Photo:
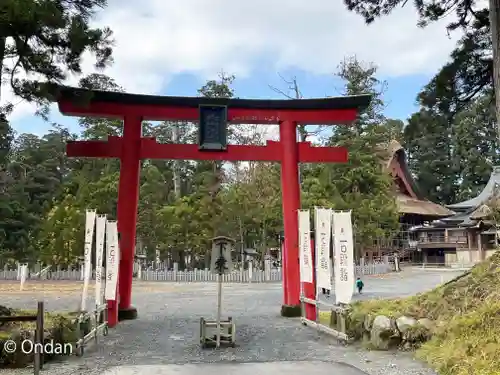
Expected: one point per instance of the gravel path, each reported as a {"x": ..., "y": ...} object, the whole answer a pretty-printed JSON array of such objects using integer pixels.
[{"x": 166, "y": 333}]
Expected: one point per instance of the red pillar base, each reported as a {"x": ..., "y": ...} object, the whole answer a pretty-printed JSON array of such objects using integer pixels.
[
  {"x": 310, "y": 288},
  {"x": 129, "y": 313},
  {"x": 112, "y": 314},
  {"x": 291, "y": 311}
]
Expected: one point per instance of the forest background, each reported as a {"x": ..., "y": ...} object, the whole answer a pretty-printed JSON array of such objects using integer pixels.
[{"x": 451, "y": 143}]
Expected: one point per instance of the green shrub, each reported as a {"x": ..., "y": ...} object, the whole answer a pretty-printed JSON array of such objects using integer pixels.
[{"x": 466, "y": 313}]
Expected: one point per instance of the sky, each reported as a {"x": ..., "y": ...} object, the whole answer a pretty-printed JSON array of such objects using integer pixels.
[{"x": 168, "y": 47}]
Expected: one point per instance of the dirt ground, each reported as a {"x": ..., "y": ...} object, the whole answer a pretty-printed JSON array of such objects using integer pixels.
[{"x": 71, "y": 287}]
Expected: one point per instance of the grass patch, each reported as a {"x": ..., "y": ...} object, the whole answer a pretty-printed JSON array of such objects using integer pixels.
[
  {"x": 59, "y": 328},
  {"x": 69, "y": 287},
  {"x": 466, "y": 312},
  {"x": 44, "y": 287}
]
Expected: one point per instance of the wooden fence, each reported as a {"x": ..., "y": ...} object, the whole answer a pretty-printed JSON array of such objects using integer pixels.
[{"x": 196, "y": 275}]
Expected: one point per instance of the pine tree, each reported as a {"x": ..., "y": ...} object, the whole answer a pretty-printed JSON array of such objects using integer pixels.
[
  {"x": 41, "y": 41},
  {"x": 361, "y": 184}
]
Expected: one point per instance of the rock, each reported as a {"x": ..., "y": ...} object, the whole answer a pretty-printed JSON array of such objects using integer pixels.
[
  {"x": 381, "y": 322},
  {"x": 407, "y": 346},
  {"x": 414, "y": 332},
  {"x": 383, "y": 334},
  {"x": 368, "y": 322},
  {"x": 405, "y": 323},
  {"x": 427, "y": 323}
]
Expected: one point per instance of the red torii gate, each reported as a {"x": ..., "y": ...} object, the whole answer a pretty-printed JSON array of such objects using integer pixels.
[{"x": 132, "y": 147}]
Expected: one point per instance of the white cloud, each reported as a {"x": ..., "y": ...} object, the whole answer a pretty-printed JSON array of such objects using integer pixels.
[{"x": 155, "y": 39}]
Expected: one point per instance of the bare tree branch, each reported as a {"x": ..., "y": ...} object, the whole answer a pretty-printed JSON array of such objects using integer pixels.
[
  {"x": 281, "y": 92},
  {"x": 293, "y": 86}
]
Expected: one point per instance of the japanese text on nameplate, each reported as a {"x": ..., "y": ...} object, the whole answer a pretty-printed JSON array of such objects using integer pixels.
[{"x": 212, "y": 129}]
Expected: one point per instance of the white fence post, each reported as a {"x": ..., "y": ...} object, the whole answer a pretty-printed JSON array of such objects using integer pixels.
[
  {"x": 251, "y": 275},
  {"x": 176, "y": 271},
  {"x": 250, "y": 271},
  {"x": 23, "y": 276},
  {"x": 267, "y": 269}
]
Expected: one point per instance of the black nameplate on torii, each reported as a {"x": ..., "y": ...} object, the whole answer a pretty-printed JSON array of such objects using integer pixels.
[{"x": 212, "y": 132}]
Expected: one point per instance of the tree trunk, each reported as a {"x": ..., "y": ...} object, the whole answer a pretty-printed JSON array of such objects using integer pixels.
[
  {"x": 495, "y": 37},
  {"x": 242, "y": 239},
  {"x": 3, "y": 41},
  {"x": 176, "y": 169},
  {"x": 263, "y": 240},
  {"x": 182, "y": 259},
  {"x": 207, "y": 258}
]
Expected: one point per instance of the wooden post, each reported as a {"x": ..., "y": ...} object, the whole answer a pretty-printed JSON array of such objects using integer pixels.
[
  {"x": 479, "y": 247},
  {"x": 38, "y": 356}
]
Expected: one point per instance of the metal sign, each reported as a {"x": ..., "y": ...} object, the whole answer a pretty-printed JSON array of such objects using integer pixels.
[{"x": 212, "y": 134}]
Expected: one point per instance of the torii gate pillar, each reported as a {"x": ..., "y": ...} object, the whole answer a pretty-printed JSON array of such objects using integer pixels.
[
  {"x": 128, "y": 200},
  {"x": 290, "y": 190}
]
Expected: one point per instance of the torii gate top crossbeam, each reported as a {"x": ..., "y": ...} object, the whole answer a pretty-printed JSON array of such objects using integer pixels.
[{"x": 80, "y": 102}]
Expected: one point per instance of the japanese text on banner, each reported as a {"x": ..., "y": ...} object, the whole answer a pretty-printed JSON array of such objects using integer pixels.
[
  {"x": 323, "y": 217},
  {"x": 344, "y": 256},
  {"x": 306, "y": 266}
]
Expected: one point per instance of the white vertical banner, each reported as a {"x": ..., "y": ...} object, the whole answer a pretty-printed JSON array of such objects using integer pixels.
[
  {"x": 344, "y": 256},
  {"x": 305, "y": 255},
  {"x": 112, "y": 261},
  {"x": 23, "y": 276},
  {"x": 87, "y": 255},
  {"x": 323, "y": 236},
  {"x": 100, "y": 233}
]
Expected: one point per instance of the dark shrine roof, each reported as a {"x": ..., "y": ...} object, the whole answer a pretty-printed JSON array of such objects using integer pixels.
[
  {"x": 408, "y": 204},
  {"x": 61, "y": 93},
  {"x": 489, "y": 192}
]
